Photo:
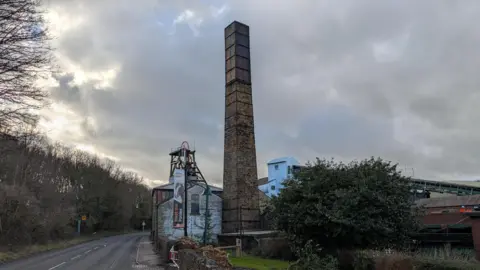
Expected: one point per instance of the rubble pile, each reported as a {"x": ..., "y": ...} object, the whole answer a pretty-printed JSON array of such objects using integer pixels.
[
  {"x": 186, "y": 243},
  {"x": 217, "y": 255},
  {"x": 213, "y": 255}
]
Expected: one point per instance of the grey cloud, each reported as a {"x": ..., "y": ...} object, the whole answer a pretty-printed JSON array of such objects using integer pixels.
[
  {"x": 170, "y": 88},
  {"x": 66, "y": 91}
]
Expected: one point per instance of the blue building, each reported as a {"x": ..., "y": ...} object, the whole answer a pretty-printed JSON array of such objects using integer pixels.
[{"x": 279, "y": 170}]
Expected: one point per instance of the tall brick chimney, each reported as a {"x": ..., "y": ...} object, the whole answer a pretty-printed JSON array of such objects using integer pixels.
[{"x": 240, "y": 189}]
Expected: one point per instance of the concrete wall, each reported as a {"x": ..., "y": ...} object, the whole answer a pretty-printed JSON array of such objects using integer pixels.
[{"x": 165, "y": 217}]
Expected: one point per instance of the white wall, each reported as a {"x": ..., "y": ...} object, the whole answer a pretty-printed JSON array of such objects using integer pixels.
[{"x": 165, "y": 217}]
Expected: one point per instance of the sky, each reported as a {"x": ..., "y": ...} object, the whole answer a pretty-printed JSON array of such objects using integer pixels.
[{"x": 339, "y": 79}]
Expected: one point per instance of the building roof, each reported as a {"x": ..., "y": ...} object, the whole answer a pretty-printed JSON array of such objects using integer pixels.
[
  {"x": 283, "y": 159},
  {"x": 453, "y": 201},
  {"x": 170, "y": 186},
  {"x": 463, "y": 183},
  {"x": 262, "y": 181},
  {"x": 164, "y": 186}
]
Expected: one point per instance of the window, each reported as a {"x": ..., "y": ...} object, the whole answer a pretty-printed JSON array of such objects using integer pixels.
[
  {"x": 272, "y": 187},
  {"x": 289, "y": 170},
  {"x": 276, "y": 167},
  {"x": 195, "y": 205}
]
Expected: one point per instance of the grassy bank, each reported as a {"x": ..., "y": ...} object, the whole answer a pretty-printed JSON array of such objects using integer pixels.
[
  {"x": 18, "y": 253},
  {"x": 258, "y": 263}
]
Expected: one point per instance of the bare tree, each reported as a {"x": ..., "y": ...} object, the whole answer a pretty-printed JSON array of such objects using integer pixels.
[
  {"x": 25, "y": 56},
  {"x": 45, "y": 188}
]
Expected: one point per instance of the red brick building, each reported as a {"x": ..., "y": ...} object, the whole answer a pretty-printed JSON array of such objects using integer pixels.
[{"x": 454, "y": 218}]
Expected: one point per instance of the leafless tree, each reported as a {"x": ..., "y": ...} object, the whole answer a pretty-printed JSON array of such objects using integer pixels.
[
  {"x": 45, "y": 187},
  {"x": 25, "y": 56}
]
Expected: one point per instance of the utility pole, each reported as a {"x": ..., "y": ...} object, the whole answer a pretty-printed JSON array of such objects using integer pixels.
[
  {"x": 207, "y": 213},
  {"x": 185, "y": 200}
]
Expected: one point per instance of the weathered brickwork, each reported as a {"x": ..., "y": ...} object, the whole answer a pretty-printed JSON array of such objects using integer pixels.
[{"x": 240, "y": 189}]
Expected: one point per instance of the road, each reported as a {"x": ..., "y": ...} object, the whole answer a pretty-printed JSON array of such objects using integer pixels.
[{"x": 116, "y": 252}]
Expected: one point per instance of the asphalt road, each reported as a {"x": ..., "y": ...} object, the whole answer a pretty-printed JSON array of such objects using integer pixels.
[{"x": 116, "y": 252}]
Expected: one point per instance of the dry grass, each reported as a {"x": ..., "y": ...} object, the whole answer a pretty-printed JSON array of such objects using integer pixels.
[
  {"x": 434, "y": 258},
  {"x": 394, "y": 262}
]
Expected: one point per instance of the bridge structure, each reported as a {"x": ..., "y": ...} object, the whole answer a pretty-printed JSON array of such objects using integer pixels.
[
  {"x": 459, "y": 189},
  {"x": 421, "y": 187}
]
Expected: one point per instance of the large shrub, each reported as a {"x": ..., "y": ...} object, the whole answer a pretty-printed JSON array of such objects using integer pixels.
[{"x": 339, "y": 206}]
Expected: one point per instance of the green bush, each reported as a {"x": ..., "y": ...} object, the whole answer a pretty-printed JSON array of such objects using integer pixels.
[
  {"x": 358, "y": 205},
  {"x": 310, "y": 259}
]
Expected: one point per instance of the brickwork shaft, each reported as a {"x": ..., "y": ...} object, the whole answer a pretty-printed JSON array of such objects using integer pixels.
[{"x": 240, "y": 189}]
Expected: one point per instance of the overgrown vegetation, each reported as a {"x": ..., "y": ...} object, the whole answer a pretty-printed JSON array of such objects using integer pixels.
[
  {"x": 354, "y": 216},
  {"x": 24, "y": 58},
  {"x": 332, "y": 206},
  {"x": 338, "y": 206},
  {"x": 45, "y": 188}
]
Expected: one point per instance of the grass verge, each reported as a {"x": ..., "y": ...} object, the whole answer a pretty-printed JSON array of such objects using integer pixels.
[
  {"x": 57, "y": 245},
  {"x": 252, "y": 262}
]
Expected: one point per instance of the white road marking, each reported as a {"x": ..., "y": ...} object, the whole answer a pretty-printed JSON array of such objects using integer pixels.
[
  {"x": 113, "y": 264},
  {"x": 76, "y": 257},
  {"x": 86, "y": 252},
  {"x": 57, "y": 265},
  {"x": 95, "y": 248},
  {"x": 136, "y": 258}
]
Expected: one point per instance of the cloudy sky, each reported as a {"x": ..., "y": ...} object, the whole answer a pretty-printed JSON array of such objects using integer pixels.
[{"x": 346, "y": 79}]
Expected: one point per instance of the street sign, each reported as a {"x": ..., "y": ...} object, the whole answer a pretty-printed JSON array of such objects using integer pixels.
[
  {"x": 84, "y": 217},
  {"x": 143, "y": 225}
]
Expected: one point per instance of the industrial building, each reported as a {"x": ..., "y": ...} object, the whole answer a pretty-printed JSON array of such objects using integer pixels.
[
  {"x": 196, "y": 209},
  {"x": 450, "y": 211},
  {"x": 454, "y": 220},
  {"x": 452, "y": 208},
  {"x": 204, "y": 202},
  {"x": 279, "y": 170}
]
